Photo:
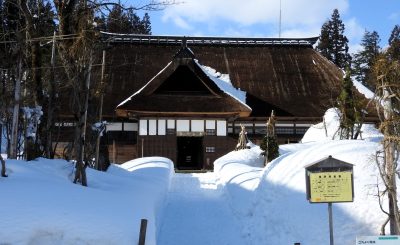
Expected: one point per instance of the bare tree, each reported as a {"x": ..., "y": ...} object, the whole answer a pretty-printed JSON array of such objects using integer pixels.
[
  {"x": 76, "y": 25},
  {"x": 387, "y": 72},
  {"x": 13, "y": 70},
  {"x": 16, "y": 107}
]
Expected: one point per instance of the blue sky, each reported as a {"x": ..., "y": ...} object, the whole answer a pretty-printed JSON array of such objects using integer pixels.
[{"x": 260, "y": 18}]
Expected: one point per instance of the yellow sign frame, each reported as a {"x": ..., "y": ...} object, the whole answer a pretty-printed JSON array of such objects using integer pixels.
[{"x": 328, "y": 187}]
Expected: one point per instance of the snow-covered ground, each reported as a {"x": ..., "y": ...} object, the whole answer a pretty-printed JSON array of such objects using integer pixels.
[
  {"x": 197, "y": 213},
  {"x": 241, "y": 202},
  {"x": 40, "y": 205}
]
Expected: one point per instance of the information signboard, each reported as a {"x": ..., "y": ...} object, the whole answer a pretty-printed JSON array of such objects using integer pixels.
[
  {"x": 331, "y": 187},
  {"x": 378, "y": 240}
]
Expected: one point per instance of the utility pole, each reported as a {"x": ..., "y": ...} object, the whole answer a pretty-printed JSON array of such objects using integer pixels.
[
  {"x": 280, "y": 18},
  {"x": 103, "y": 66},
  {"x": 50, "y": 107}
]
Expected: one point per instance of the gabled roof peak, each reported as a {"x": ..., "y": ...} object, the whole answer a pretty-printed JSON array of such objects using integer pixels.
[
  {"x": 186, "y": 87},
  {"x": 184, "y": 53}
]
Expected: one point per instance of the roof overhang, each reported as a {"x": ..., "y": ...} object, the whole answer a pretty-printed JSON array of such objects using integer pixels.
[{"x": 132, "y": 114}]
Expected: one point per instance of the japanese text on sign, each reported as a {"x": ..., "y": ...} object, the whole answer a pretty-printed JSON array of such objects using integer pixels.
[
  {"x": 331, "y": 187},
  {"x": 378, "y": 240}
]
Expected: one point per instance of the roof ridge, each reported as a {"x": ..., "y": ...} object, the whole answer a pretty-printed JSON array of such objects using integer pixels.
[{"x": 193, "y": 40}]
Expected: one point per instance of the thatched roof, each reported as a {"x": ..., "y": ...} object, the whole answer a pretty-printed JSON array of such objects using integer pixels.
[
  {"x": 183, "y": 87},
  {"x": 286, "y": 75}
]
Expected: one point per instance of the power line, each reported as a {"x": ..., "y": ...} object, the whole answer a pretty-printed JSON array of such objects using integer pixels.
[
  {"x": 48, "y": 67},
  {"x": 47, "y": 38}
]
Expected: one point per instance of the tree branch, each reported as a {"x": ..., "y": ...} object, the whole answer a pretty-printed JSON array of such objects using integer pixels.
[{"x": 152, "y": 6}]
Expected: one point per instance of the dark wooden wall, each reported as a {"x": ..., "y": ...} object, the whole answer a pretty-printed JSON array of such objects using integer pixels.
[{"x": 166, "y": 146}]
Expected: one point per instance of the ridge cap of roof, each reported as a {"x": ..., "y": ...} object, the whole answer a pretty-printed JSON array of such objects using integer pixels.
[{"x": 205, "y": 40}]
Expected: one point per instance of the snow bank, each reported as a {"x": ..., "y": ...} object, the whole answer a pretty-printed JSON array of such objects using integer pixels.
[
  {"x": 238, "y": 173},
  {"x": 283, "y": 207},
  {"x": 330, "y": 129},
  {"x": 40, "y": 204},
  {"x": 241, "y": 168},
  {"x": 271, "y": 201}
]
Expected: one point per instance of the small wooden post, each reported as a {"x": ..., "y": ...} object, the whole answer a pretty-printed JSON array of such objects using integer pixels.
[
  {"x": 114, "y": 152},
  {"x": 142, "y": 147},
  {"x": 142, "y": 233}
]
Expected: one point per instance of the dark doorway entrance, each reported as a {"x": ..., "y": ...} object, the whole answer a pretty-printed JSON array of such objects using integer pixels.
[{"x": 190, "y": 153}]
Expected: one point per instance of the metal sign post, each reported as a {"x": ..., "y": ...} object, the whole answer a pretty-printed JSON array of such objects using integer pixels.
[
  {"x": 330, "y": 223},
  {"x": 327, "y": 181}
]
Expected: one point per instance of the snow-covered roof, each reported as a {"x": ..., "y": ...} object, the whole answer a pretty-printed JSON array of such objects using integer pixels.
[
  {"x": 186, "y": 86},
  {"x": 224, "y": 83},
  {"x": 291, "y": 80},
  {"x": 362, "y": 89}
]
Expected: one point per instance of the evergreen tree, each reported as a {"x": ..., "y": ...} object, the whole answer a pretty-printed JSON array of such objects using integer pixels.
[
  {"x": 118, "y": 21},
  {"x": 146, "y": 24},
  {"x": 333, "y": 43},
  {"x": 135, "y": 23},
  {"x": 127, "y": 21},
  {"x": 324, "y": 44},
  {"x": 394, "y": 43},
  {"x": 364, "y": 59},
  {"x": 270, "y": 148},
  {"x": 349, "y": 108}
]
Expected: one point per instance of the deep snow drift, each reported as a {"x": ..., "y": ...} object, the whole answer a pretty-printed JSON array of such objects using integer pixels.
[
  {"x": 272, "y": 204},
  {"x": 273, "y": 207},
  {"x": 242, "y": 201},
  {"x": 41, "y": 206}
]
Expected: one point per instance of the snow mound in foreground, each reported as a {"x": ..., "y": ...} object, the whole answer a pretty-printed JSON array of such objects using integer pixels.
[
  {"x": 271, "y": 202},
  {"x": 41, "y": 205},
  {"x": 238, "y": 173}
]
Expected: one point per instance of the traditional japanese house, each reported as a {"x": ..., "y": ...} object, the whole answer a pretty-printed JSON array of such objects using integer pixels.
[
  {"x": 163, "y": 97},
  {"x": 183, "y": 112}
]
